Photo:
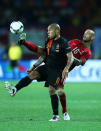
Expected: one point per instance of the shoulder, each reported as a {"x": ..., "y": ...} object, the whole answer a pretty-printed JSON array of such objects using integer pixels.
[
  {"x": 65, "y": 45},
  {"x": 63, "y": 41},
  {"x": 75, "y": 41},
  {"x": 88, "y": 51}
]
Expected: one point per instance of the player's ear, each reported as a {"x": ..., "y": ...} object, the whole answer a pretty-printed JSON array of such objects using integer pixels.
[
  {"x": 93, "y": 37},
  {"x": 57, "y": 31}
]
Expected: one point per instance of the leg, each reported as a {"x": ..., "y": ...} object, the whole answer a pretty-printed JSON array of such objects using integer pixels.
[
  {"x": 27, "y": 80},
  {"x": 54, "y": 103},
  {"x": 22, "y": 83},
  {"x": 39, "y": 73},
  {"x": 62, "y": 97}
]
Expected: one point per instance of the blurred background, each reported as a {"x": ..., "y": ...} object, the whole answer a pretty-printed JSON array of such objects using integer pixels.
[{"x": 72, "y": 16}]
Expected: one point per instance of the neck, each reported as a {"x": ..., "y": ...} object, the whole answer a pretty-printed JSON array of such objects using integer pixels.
[
  {"x": 57, "y": 37},
  {"x": 88, "y": 43}
]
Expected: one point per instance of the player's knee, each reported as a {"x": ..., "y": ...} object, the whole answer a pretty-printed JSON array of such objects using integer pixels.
[
  {"x": 34, "y": 75},
  {"x": 60, "y": 92},
  {"x": 51, "y": 90}
]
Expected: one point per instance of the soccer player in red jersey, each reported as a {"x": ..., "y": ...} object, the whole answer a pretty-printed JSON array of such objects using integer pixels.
[
  {"x": 81, "y": 52},
  {"x": 81, "y": 48}
]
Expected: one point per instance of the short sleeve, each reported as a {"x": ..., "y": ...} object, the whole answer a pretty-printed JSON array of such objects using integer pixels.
[
  {"x": 67, "y": 47},
  {"x": 45, "y": 48}
]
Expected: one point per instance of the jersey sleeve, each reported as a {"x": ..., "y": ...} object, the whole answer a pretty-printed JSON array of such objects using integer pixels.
[
  {"x": 85, "y": 57},
  {"x": 67, "y": 47},
  {"x": 31, "y": 46},
  {"x": 45, "y": 47}
]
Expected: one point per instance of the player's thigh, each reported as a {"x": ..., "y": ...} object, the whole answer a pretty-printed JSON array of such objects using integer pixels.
[
  {"x": 42, "y": 70},
  {"x": 54, "y": 78},
  {"x": 34, "y": 75}
]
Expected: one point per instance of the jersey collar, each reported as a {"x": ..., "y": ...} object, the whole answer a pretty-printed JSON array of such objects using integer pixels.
[{"x": 85, "y": 45}]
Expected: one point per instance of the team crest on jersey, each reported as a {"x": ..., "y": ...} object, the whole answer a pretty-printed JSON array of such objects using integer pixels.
[{"x": 57, "y": 48}]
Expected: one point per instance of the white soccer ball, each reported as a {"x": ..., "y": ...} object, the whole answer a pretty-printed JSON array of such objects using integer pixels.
[{"x": 16, "y": 27}]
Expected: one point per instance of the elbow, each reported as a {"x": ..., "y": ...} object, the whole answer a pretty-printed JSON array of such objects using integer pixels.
[{"x": 71, "y": 56}]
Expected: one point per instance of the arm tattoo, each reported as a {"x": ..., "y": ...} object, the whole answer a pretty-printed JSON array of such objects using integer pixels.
[
  {"x": 70, "y": 59},
  {"x": 40, "y": 60}
]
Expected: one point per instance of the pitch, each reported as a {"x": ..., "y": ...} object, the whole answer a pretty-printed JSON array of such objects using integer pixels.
[{"x": 30, "y": 108}]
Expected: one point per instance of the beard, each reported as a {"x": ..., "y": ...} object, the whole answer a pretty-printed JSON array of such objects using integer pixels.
[
  {"x": 52, "y": 37},
  {"x": 86, "y": 40}
]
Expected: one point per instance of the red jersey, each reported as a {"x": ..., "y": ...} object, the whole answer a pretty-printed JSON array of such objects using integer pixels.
[{"x": 80, "y": 50}]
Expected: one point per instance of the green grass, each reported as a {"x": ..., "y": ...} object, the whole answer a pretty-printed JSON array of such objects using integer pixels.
[{"x": 30, "y": 109}]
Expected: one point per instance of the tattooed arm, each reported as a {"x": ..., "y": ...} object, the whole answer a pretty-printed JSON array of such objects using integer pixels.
[
  {"x": 69, "y": 63},
  {"x": 39, "y": 61},
  {"x": 70, "y": 60}
]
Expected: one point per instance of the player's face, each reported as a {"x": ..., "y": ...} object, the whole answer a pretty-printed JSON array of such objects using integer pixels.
[
  {"x": 51, "y": 32},
  {"x": 87, "y": 36}
]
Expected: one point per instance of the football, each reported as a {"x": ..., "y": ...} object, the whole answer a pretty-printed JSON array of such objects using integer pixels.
[{"x": 16, "y": 27}]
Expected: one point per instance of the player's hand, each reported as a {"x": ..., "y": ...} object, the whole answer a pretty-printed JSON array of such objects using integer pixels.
[
  {"x": 30, "y": 69},
  {"x": 77, "y": 62},
  {"x": 65, "y": 72},
  {"x": 22, "y": 38}
]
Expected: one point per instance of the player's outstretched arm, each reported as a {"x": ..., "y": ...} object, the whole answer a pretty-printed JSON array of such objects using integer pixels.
[
  {"x": 39, "y": 61},
  {"x": 31, "y": 46}
]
